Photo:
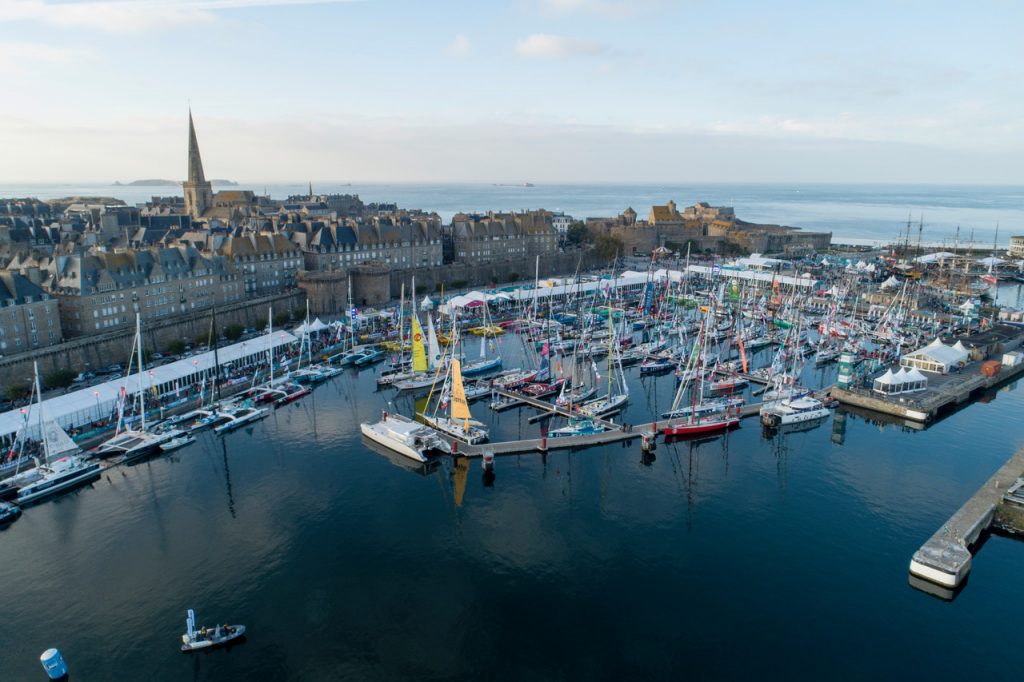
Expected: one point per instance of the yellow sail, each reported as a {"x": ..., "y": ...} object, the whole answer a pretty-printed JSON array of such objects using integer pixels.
[
  {"x": 419, "y": 354},
  {"x": 460, "y": 408}
]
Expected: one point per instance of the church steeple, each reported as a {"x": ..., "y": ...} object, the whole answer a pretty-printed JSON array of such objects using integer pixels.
[
  {"x": 195, "y": 161},
  {"x": 198, "y": 192}
]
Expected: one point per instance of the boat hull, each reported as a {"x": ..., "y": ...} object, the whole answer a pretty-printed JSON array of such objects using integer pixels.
[
  {"x": 236, "y": 632},
  {"x": 39, "y": 491},
  {"x": 391, "y": 443},
  {"x": 697, "y": 428}
]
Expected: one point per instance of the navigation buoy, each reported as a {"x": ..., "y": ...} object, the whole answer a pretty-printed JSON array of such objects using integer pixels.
[{"x": 53, "y": 664}]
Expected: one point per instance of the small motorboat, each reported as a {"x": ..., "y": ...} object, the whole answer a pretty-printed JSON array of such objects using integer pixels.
[
  {"x": 8, "y": 512},
  {"x": 177, "y": 442},
  {"x": 655, "y": 367},
  {"x": 207, "y": 638}
]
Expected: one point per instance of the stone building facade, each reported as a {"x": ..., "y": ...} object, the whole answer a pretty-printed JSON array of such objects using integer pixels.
[
  {"x": 1017, "y": 247},
  {"x": 101, "y": 291},
  {"x": 29, "y": 317},
  {"x": 479, "y": 239},
  {"x": 400, "y": 243}
]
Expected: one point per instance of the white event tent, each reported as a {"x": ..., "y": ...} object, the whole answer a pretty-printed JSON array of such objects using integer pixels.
[
  {"x": 936, "y": 357},
  {"x": 82, "y": 407}
]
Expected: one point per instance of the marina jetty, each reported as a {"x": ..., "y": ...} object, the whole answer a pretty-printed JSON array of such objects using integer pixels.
[
  {"x": 937, "y": 376},
  {"x": 945, "y": 559}
]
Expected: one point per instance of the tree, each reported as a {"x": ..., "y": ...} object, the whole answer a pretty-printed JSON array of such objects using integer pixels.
[
  {"x": 176, "y": 347},
  {"x": 233, "y": 332},
  {"x": 60, "y": 378},
  {"x": 421, "y": 288},
  {"x": 200, "y": 340},
  {"x": 280, "y": 319},
  {"x": 608, "y": 247},
  {"x": 16, "y": 392},
  {"x": 512, "y": 277},
  {"x": 577, "y": 233}
]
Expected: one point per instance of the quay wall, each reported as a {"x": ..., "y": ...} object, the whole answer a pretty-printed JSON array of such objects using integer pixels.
[
  {"x": 94, "y": 352},
  {"x": 373, "y": 284}
]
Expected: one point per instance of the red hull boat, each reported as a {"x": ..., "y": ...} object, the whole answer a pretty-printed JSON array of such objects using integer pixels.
[{"x": 699, "y": 427}]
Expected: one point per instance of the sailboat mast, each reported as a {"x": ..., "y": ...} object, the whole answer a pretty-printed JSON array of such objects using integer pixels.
[
  {"x": 351, "y": 317},
  {"x": 270, "y": 340},
  {"x": 401, "y": 319},
  {"x": 142, "y": 393},
  {"x": 216, "y": 356},
  {"x": 39, "y": 408},
  {"x": 309, "y": 339}
]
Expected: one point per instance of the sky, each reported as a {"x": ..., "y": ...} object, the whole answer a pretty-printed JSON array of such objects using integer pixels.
[{"x": 900, "y": 91}]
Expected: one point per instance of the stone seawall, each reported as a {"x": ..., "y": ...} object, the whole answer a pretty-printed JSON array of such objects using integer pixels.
[
  {"x": 101, "y": 350},
  {"x": 374, "y": 285},
  {"x": 500, "y": 273}
]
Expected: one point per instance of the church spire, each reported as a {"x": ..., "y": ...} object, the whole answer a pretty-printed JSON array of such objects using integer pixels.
[
  {"x": 195, "y": 162},
  {"x": 198, "y": 192}
]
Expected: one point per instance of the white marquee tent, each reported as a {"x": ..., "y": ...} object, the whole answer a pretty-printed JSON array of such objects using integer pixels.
[
  {"x": 936, "y": 357},
  {"x": 82, "y": 407}
]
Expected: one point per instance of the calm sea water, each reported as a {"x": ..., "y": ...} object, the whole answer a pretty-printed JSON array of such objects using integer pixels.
[
  {"x": 853, "y": 213},
  {"x": 740, "y": 556}
]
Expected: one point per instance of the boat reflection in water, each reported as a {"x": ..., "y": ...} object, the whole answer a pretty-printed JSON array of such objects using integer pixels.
[{"x": 401, "y": 461}]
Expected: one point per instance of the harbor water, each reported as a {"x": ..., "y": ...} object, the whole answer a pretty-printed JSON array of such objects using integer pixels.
[{"x": 736, "y": 556}]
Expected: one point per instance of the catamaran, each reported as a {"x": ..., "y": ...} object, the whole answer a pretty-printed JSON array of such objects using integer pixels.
[
  {"x": 239, "y": 415},
  {"x": 793, "y": 411},
  {"x": 406, "y": 437},
  {"x": 59, "y": 468},
  {"x": 138, "y": 443}
]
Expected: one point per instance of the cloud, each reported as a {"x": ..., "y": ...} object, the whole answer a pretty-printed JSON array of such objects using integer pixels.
[
  {"x": 609, "y": 8},
  {"x": 17, "y": 57},
  {"x": 131, "y": 15},
  {"x": 459, "y": 46},
  {"x": 546, "y": 46}
]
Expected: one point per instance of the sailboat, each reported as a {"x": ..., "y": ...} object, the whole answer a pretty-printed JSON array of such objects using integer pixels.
[
  {"x": 135, "y": 444},
  {"x": 700, "y": 418},
  {"x": 59, "y": 468},
  {"x": 459, "y": 423},
  {"x": 483, "y": 365},
  {"x": 618, "y": 390},
  {"x": 426, "y": 366},
  {"x": 990, "y": 277}
]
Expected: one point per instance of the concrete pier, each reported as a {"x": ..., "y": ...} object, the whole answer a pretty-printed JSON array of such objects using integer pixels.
[
  {"x": 943, "y": 390},
  {"x": 945, "y": 559}
]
